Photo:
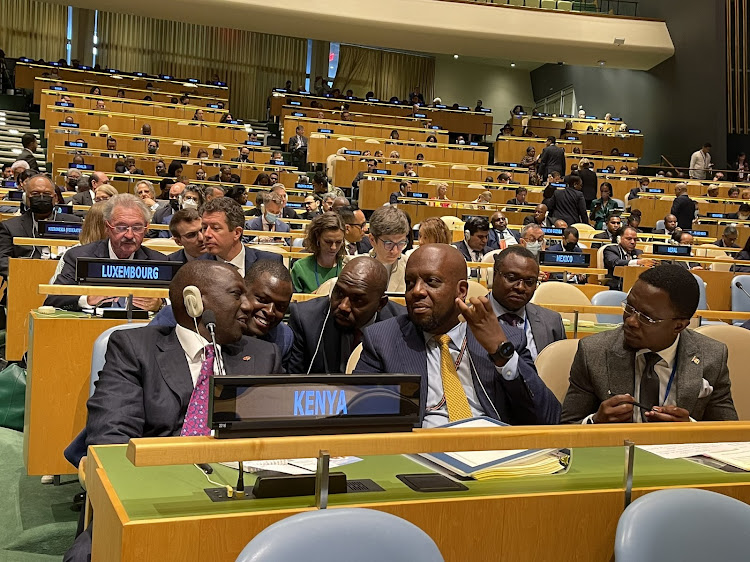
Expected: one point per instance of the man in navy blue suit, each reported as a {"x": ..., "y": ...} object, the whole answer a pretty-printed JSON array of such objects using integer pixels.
[
  {"x": 497, "y": 375},
  {"x": 223, "y": 220}
]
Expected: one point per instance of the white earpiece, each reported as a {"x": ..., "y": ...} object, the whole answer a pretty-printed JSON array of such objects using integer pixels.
[{"x": 191, "y": 295}]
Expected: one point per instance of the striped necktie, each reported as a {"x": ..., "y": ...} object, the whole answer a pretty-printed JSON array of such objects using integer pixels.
[{"x": 455, "y": 396}]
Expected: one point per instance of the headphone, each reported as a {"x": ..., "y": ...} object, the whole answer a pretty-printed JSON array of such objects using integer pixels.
[{"x": 193, "y": 299}]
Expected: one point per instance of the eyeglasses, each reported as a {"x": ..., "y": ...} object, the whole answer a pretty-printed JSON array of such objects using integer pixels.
[
  {"x": 361, "y": 226},
  {"x": 529, "y": 282},
  {"x": 122, "y": 229},
  {"x": 642, "y": 318},
  {"x": 389, "y": 245}
]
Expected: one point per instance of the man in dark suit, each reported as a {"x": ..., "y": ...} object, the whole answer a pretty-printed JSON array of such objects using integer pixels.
[
  {"x": 29, "y": 143},
  {"x": 670, "y": 224},
  {"x": 154, "y": 382},
  {"x": 520, "y": 198},
  {"x": 728, "y": 238},
  {"x": 326, "y": 330},
  {"x": 539, "y": 217},
  {"x": 269, "y": 221},
  {"x": 476, "y": 235},
  {"x": 613, "y": 226},
  {"x": 187, "y": 231},
  {"x": 356, "y": 224},
  {"x": 163, "y": 214},
  {"x": 244, "y": 155},
  {"x": 500, "y": 234},
  {"x": 225, "y": 175},
  {"x": 87, "y": 189},
  {"x": 371, "y": 165},
  {"x": 683, "y": 207},
  {"x": 493, "y": 375},
  {"x": 590, "y": 183},
  {"x": 685, "y": 239},
  {"x": 568, "y": 204},
  {"x": 127, "y": 219},
  {"x": 551, "y": 160},
  {"x": 623, "y": 254},
  {"x": 652, "y": 359},
  {"x": 223, "y": 221},
  {"x": 40, "y": 194},
  {"x": 516, "y": 272},
  {"x": 403, "y": 191},
  {"x": 297, "y": 146}
]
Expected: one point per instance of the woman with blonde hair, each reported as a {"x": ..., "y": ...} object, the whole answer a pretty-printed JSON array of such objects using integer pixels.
[
  {"x": 433, "y": 230},
  {"x": 441, "y": 199},
  {"x": 104, "y": 192},
  {"x": 325, "y": 240}
]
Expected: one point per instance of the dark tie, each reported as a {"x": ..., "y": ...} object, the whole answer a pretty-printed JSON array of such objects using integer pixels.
[
  {"x": 351, "y": 248},
  {"x": 511, "y": 319},
  {"x": 649, "y": 393}
]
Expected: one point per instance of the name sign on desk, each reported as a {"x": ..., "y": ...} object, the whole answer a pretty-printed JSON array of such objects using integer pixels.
[
  {"x": 298, "y": 114},
  {"x": 380, "y": 171},
  {"x": 564, "y": 258},
  {"x": 488, "y": 110},
  {"x": 353, "y": 152},
  {"x": 213, "y": 106},
  {"x": 15, "y": 195},
  {"x": 435, "y": 127},
  {"x": 634, "y": 131},
  {"x": 571, "y": 138},
  {"x": 552, "y": 231},
  {"x": 626, "y": 154},
  {"x": 422, "y": 115},
  {"x": 440, "y": 106},
  {"x": 716, "y": 215},
  {"x": 325, "y": 130},
  {"x": 253, "y": 143},
  {"x": 292, "y": 102},
  {"x": 277, "y": 162},
  {"x": 463, "y": 107},
  {"x": 64, "y": 104},
  {"x": 59, "y": 229},
  {"x": 254, "y": 406},
  {"x": 80, "y": 166},
  {"x": 305, "y": 186},
  {"x": 140, "y": 273},
  {"x": 419, "y": 195},
  {"x": 59, "y": 88},
  {"x": 697, "y": 232},
  {"x": 68, "y": 125},
  {"x": 654, "y": 190},
  {"x": 615, "y": 118},
  {"x": 77, "y": 144},
  {"x": 671, "y": 250}
]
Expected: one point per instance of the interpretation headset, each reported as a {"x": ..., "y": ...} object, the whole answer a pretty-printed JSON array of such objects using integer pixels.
[{"x": 193, "y": 299}]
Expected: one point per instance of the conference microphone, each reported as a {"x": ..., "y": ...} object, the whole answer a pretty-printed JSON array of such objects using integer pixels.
[
  {"x": 209, "y": 320},
  {"x": 741, "y": 288}
]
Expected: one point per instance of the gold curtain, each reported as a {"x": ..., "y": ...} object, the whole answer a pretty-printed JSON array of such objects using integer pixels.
[
  {"x": 384, "y": 72},
  {"x": 250, "y": 63},
  {"x": 33, "y": 29}
]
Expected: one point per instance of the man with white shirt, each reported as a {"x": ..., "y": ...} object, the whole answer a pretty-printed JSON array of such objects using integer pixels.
[
  {"x": 155, "y": 379},
  {"x": 700, "y": 162},
  {"x": 87, "y": 189},
  {"x": 474, "y": 368},
  {"x": 500, "y": 236},
  {"x": 653, "y": 368},
  {"x": 127, "y": 219},
  {"x": 223, "y": 220}
]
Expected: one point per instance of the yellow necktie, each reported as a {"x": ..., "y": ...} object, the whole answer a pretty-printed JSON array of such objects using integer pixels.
[{"x": 455, "y": 397}]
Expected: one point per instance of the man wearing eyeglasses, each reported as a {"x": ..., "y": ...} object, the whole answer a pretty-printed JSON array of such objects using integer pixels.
[
  {"x": 356, "y": 223},
  {"x": 389, "y": 236},
  {"x": 516, "y": 274},
  {"x": 127, "y": 218},
  {"x": 652, "y": 368}
]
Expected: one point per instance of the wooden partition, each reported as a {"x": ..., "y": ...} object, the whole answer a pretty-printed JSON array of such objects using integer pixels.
[
  {"x": 359, "y": 117},
  {"x": 354, "y": 128},
  {"x": 513, "y": 149}
]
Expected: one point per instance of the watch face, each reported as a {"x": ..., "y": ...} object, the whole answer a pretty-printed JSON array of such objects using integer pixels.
[{"x": 507, "y": 349}]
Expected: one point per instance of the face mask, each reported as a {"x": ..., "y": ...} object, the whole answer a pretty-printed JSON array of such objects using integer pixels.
[
  {"x": 152, "y": 150},
  {"x": 534, "y": 247},
  {"x": 271, "y": 218},
  {"x": 175, "y": 204},
  {"x": 189, "y": 204},
  {"x": 568, "y": 247},
  {"x": 72, "y": 182},
  {"x": 462, "y": 142},
  {"x": 41, "y": 204}
]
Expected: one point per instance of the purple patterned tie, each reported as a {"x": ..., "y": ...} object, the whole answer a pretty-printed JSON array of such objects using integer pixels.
[
  {"x": 196, "y": 417},
  {"x": 512, "y": 319}
]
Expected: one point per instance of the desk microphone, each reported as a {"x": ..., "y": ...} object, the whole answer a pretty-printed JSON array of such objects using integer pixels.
[
  {"x": 209, "y": 320},
  {"x": 741, "y": 288}
]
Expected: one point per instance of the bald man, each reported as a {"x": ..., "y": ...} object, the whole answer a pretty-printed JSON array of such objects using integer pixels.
[
  {"x": 539, "y": 217},
  {"x": 496, "y": 372},
  {"x": 357, "y": 300}
]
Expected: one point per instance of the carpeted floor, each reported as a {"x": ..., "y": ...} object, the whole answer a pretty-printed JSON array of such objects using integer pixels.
[{"x": 37, "y": 522}]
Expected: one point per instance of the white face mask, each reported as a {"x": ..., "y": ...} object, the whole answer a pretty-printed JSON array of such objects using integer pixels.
[
  {"x": 534, "y": 247},
  {"x": 189, "y": 204},
  {"x": 461, "y": 141}
]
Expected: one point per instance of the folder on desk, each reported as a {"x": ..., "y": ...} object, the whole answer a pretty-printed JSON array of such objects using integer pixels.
[{"x": 486, "y": 465}]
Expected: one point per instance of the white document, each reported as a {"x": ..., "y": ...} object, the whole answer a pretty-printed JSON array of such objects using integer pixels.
[
  {"x": 685, "y": 450},
  {"x": 291, "y": 466}
]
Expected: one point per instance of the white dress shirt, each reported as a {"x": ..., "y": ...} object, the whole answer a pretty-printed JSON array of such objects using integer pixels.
[
  {"x": 500, "y": 310},
  {"x": 505, "y": 236},
  {"x": 83, "y": 299},
  {"x": 193, "y": 344},
  {"x": 436, "y": 411},
  {"x": 238, "y": 261}
]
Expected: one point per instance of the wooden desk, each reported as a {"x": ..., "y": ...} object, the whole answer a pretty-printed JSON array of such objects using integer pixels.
[
  {"x": 57, "y": 387},
  {"x": 375, "y": 130}
]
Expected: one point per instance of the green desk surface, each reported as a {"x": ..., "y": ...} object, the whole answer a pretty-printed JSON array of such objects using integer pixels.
[{"x": 177, "y": 491}]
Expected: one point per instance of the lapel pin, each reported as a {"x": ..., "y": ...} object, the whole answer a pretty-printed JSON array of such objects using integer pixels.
[
  {"x": 247, "y": 358},
  {"x": 695, "y": 360}
]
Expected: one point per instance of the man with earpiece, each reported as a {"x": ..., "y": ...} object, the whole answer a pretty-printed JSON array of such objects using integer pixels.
[
  {"x": 223, "y": 221},
  {"x": 476, "y": 235},
  {"x": 326, "y": 330},
  {"x": 39, "y": 197},
  {"x": 479, "y": 367},
  {"x": 155, "y": 381}
]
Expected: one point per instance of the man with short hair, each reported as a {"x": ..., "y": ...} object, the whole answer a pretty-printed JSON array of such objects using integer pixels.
[
  {"x": 568, "y": 204},
  {"x": 187, "y": 231},
  {"x": 87, "y": 190},
  {"x": 568, "y": 245},
  {"x": 338, "y": 203},
  {"x": 532, "y": 238},
  {"x": 476, "y": 235},
  {"x": 164, "y": 214},
  {"x": 29, "y": 143},
  {"x": 612, "y": 231},
  {"x": 244, "y": 155},
  {"x": 683, "y": 238},
  {"x": 515, "y": 278},
  {"x": 501, "y": 236},
  {"x": 403, "y": 191},
  {"x": 111, "y": 147},
  {"x": 312, "y": 207},
  {"x": 213, "y": 191},
  {"x": 127, "y": 219},
  {"x": 683, "y": 207},
  {"x": 269, "y": 221},
  {"x": 356, "y": 182},
  {"x": 539, "y": 217},
  {"x": 356, "y": 224},
  {"x": 40, "y": 206},
  {"x": 700, "y": 162},
  {"x": 670, "y": 224},
  {"x": 653, "y": 360},
  {"x": 280, "y": 188},
  {"x": 161, "y": 169},
  {"x": 225, "y": 175},
  {"x": 297, "y": 146},
  {"x": 552, "y": 159},
  {"x": 728, "y": 238},
  {"x": 327, "y": 329},
  {"x": 623, "y": 254},
  {"x": 520, "y": 198},
  {"x": 408, "y": 171},
  {"x": 479, "y": 367},
  {"x": 223, "y": 220}
]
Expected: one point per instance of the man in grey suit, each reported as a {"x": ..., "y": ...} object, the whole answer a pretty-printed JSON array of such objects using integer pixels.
[
  {"x": 653, "y": 359},
  {"x": 515, "y": 276},
  {"x": 150, "y": 374}
]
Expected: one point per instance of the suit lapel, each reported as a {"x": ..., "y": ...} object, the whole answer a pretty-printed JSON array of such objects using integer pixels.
[
  {"x": 689, "y": 374},
  {"x": 620, "y": 367},
  {"x": 538, "y": 329},
  {"x": 27, "y": 223},
  {"x": 412, "y": 353},
  {"x": 174, "y": 367}
]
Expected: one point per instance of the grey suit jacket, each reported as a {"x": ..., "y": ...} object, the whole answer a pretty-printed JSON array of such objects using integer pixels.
[
  {"x": 145, "y": 385},
  {"x": 603, "y": 367},
  {"x": 546, "y": 325}
]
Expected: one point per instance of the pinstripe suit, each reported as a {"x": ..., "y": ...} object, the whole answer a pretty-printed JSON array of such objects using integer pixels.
[{"x": 397, "y": 346}]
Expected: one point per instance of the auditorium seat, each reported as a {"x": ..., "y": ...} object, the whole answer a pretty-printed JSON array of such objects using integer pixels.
[
  {"x": 600, "y": 256},
  {"x": 565, "y": 5},
  {"x": 341, "y": 535},
  {"x": 489, "y": 272},
  {"x": 740, "y": 301},
  {"x": 609, "y": 298},
  {"x": 557, "y": 292},
  {"x": 326, "y": 287},
  {"x": 549, "y": 4},
  {"x": 553, "y": 365},
  {"x": 583, "y": 227}
]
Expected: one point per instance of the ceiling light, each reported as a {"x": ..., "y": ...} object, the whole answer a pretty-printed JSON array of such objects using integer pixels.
[
  {"x": 512, "y": 65},
  {"x": 455, "y": 56}
]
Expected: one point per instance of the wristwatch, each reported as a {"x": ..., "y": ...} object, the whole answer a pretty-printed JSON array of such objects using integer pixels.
[{"x": 503, "y": 352}]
